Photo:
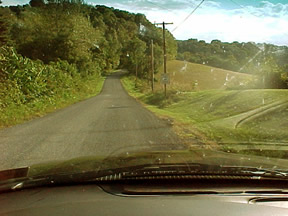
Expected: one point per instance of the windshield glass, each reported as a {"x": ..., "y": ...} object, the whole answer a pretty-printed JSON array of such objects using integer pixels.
[{"x": 204, "y": 80}]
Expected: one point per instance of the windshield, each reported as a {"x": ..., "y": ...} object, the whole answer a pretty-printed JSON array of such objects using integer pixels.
[{"x": 202, "y": 82}]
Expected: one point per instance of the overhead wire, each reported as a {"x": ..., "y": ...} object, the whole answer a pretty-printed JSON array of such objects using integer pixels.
[
  {"x": 241, "y": 6},
  {"x": 160, "y": 6},
  {"x": 187, "y": 17},
  {"x": 237, "y": 4}
]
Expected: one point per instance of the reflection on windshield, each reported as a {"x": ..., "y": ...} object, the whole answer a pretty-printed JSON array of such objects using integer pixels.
[{"x": 91, "y": 79}]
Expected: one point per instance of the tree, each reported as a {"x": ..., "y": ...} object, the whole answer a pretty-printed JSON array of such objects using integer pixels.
[
  {"x": 7, "y": 18},
  {"x": 136, "y": 54},
  {"x": 271, "y": 74},
  {"x": 284, "y": 75},
  {"x": 171, "y": 46},
  {"x": 55, "y": 32},
  {"x": 36, "y": 3},
  {"x": 3, "y": 30}
]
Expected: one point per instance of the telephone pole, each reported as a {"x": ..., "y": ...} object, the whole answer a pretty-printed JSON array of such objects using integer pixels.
[
  {"x": 164, "y": 50},
  {"x": 152, "y": 65},
  {"x": 136, "y": 74}
]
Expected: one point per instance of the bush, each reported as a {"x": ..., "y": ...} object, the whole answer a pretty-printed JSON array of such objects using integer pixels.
[
  {"x": 24, "y": 80},
  {"x": 29, "y": 87}
]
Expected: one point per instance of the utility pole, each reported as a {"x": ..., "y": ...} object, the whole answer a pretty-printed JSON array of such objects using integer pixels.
[
  {"x": 136, "y": 74},
  {"x": 152, "y": 65},
  {"x": 164, "y": 49}
]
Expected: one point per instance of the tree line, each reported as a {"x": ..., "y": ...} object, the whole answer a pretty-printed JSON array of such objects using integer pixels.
[
  {"x": 269, "y": 62},
  {"x": 94, "y": 38}
]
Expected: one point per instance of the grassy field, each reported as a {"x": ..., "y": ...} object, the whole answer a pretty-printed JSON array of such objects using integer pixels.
[
  {"x": 234, "y": 120},
  {"x": 186, "y": 76}
]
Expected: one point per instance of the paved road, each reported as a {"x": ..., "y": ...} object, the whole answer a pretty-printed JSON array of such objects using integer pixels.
[{"x": 109, "y": 123}]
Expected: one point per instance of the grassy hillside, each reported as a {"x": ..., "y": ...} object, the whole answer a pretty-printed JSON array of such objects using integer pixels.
[
  {"x": 233, "y": 120},
  {"x": 186, "y": 76}
]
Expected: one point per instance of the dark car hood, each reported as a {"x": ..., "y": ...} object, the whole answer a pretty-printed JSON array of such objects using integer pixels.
[{"x": 201, "y": 156}]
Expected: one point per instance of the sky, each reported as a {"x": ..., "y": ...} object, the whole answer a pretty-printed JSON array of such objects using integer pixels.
[{"x": 226, "y": 20}]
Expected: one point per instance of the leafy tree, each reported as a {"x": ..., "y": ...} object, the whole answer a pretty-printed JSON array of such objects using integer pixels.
[
  {"x": 136, "y": 54},
  {"x": 3, "y": 30},
  {"x": 171, "y": 46},
  {"x": 5, "y": 23},
  {"x": 51, "y": 33},
  {"x": 37, "y": 3},
  {"x": 271, "y": 74},
  {"x": 284, "y": 74}
]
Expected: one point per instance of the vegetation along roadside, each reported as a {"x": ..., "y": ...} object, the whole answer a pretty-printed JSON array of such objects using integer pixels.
[
  {"x": 229, "y": 119},
  {"x": 55, "y": 53}
]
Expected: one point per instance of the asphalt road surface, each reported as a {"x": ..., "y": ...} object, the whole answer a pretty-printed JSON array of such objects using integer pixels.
[{"x": 108, "y": 124}]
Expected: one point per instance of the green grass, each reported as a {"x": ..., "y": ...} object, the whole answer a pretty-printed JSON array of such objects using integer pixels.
[
  {"x": 185, "y": 75},
  {"x": 16, "y": 114},
  {"x": 214, "y": 116},
  {"x": 214, "y": 113}
]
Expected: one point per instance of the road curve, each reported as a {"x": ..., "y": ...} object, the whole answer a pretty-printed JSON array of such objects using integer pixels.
[{"x": 109, "y": 123}]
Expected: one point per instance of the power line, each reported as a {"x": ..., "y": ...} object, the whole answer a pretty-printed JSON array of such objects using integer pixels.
[
  {"x": 186, "y": 18},
  {"x": 237, "y": 4},
  {"x": 241, "y": 6},
  {"x": 160, "y": 6}
]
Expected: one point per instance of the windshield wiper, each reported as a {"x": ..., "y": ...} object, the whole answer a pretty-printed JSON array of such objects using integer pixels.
[
  {"x": 197, "y": 170},
  {"x": 148, "y": 171}
]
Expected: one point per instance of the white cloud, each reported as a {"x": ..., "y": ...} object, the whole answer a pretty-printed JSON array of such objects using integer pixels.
[
  {"x": 212, "y": 4},
  {"x": 14, "y": 2},
  {"x": 267, "y": 23},
  {"x": 267, "y": 8}
]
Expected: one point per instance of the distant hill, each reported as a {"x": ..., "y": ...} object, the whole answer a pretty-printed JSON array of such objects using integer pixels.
[
  {"x": 243, "y": 57},
  {"x": 186, "y": 76}
]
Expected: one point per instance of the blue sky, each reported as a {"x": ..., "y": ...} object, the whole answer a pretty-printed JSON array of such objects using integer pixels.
[{"x": 226, "y": 20}]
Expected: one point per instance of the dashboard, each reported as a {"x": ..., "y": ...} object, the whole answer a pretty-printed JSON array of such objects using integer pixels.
[{"x": 121, "y": 199}]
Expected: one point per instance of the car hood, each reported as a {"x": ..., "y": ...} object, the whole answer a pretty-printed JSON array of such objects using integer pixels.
[{"x": 126, "y": 160}]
